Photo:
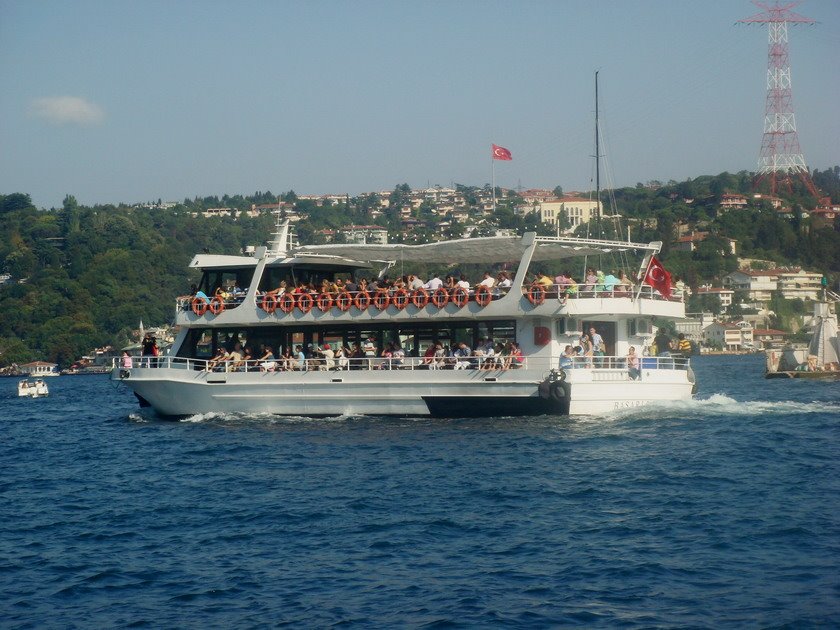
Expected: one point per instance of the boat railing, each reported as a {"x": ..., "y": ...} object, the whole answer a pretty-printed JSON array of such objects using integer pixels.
[
  {"x": 537, "y": 294},
  {"x": 602, "y": 364}
]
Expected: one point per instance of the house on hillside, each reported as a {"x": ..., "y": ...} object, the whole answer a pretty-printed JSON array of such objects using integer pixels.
[
  {"x": 730, "y": 336},
  {"x": 689, "y": 243},
  {"x": 732, "y": 202},
  {"x": 724, "y": 295}
]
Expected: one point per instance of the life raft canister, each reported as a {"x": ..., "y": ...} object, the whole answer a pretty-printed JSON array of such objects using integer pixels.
[
  {"x": 460, "y": 297},
  {"x": 400, "y": 299},
  {"x": 286, "y": 302},
  {"x": 217, "y": 305},
  {"x": 344, "y": 301},
  {"x": 440, "y": 297},
  {"x": 381, "y": 300},
  {"x": 199, "y": 306},
  {"x": 536, "y": 294},
  {"x": 305, "y": 302},
  {"x": 325, "y": 302},
  {"x": 362, "y": 300},
  {"x": 269, "y": 303},
  {"x": 482, "y": 295},
  {"x": 420, "y": 297}
]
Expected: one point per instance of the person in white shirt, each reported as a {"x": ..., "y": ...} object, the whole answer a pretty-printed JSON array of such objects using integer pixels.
[
  {"x": 488, "y": 280},
  {"x": 329, "y": 358},
  {"x": 464, "y": 283},
  {"x": 414, "y": 283},
  {"x": 434, "y": 284}
]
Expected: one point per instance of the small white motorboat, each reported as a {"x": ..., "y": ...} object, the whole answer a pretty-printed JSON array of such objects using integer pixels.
[{"x": 33, "y": 389}]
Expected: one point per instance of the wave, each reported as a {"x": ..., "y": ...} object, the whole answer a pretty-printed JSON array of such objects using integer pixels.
[{"x": 721, "y": 405}]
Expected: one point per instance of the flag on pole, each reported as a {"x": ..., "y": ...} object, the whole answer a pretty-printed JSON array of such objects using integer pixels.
[
  {"x": 500, "y": 153},
  {"x": 658, "y": 277}
]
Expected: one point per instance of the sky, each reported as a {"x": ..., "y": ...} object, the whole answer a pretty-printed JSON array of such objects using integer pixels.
[{"x": 123, "y": 101}]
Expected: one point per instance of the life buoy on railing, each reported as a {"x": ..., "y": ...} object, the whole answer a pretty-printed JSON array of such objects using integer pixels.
[
  {"x": 305, "y": 302},
  {"x": 343, "y": 301},
  {"x": 400, "y": 299},
  {"x": 482, "y": 295},
  {"x": 460, "y": 297},
  {"x": 536, "y": 294},
  {"x": 217, "y": 305},
  {"x": 269, "y": 303},
  {"x": 420, "y": 297},
  {"x": 362, "y": 300},
  {"x": 199, "y": 306},
  {"x": 381, "y": 300},
  {"x": 440, "y": 297},
  {"x": 286, "y": 303},
  {"x": 324, "y": 302}
]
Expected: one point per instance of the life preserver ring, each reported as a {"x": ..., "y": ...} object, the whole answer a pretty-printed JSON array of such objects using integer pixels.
[
  {"x": 344, "y": 301},
  {"x": 305, "y": 302},
  {"x": 324, "y": 302},
  {"x": 286, "y": 303},
  {"x": 482, "y": 295},
  {"x": 420, "y": 297},
  {"x": 362, "y": 300},
  {"x": 269, "y": 303},
  {"x": 440, "y": 297},
  {"x": 536, "y": 294},
  {"x": 199, "y": 306},
  {"x": 217, "y": 305},
  {"x": 400, "y": 299},
  {"x": 460, "y": 297},
  {"x": 381, "y": 300}
]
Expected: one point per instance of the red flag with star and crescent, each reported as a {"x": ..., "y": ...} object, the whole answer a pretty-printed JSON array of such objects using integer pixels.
[
  {"x": 658, "y": 277},
  {"x": 500, "y": 153}
]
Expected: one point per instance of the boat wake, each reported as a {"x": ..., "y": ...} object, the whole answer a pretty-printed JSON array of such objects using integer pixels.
[{"x": 720, "y": 405}]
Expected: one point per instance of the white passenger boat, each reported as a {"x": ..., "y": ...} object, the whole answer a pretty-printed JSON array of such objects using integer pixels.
[
  {"x": 540, "y": 320},
  {"x": 33, "y": 389}
]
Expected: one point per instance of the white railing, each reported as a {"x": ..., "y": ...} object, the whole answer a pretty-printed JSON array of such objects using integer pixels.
[{"x": 475, "y": 363}]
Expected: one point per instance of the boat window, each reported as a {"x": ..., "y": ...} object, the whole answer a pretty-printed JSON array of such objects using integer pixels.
[{"x": 225, "y": 279}]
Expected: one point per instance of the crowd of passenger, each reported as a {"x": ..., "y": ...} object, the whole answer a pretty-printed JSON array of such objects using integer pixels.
[{"x": 367, "y": 355}]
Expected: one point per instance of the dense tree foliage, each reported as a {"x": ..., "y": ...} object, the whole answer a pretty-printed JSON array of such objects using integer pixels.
[{"x": 78, "y": 277}]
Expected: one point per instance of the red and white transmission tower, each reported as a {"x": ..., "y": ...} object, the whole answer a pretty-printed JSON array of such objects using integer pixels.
[{"x": 780, "y": 157}]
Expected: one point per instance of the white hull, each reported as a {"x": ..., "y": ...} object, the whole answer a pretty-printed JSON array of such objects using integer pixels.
[
  {"x": 452, "y": 393},
  {"x": 33, "y": 390}
]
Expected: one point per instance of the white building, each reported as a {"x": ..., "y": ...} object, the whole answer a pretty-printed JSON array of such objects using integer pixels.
[
  {"x": 731, "y": 336},
  {"x": 365, "y": 234},
  {"x": 39, "y": 368},
  {"x": 577, "y": 211}
]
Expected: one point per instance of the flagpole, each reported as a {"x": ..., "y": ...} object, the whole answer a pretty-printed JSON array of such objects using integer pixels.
[{"x": 493, "y": 169}]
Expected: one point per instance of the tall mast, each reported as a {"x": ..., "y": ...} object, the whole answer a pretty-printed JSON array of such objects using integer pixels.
[{"x": 597, "y": 162}]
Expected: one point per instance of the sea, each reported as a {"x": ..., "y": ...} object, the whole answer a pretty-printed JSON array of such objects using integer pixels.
[{"x": 721, "y": 512}]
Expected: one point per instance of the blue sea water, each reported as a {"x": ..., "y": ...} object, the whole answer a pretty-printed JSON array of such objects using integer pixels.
[{"x": 721, "y": 512}]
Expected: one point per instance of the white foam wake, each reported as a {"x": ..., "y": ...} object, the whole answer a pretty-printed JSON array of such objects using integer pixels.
[{"x": 722, "y": 405}]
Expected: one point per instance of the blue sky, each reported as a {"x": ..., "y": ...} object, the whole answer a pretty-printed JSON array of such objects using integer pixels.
[{"x": 117, "y": 101}]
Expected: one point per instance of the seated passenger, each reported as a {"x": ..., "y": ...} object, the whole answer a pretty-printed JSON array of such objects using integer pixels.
[
  {"x": 633, "y": 370},
  {"x": 433, "y": 284},
  {"x": 268, "y": 363},
  {"x": 503, "y": 283},
  {"x": 329, "y": 357},
  {"x": 414, "y": 283},
  {"x": 610, "y": 282},
  {"x": 516, "y": 357},
  {"x": 461, "y": 355},
  {"x": 488, "y": 281},
  {"x": 341, "y": 358},
  {"x": 299, "y": 359},
  {"x": 220, "y": 357},
  {"x": 463, "y": 283},
  {"x": 280, "y": 290}
]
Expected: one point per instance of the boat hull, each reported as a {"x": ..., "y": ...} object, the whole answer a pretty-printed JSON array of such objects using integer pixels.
[{"x": 435, "y": 393}]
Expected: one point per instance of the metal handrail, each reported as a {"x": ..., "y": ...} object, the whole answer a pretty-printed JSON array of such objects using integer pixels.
[{"x": 475, "y": 363}]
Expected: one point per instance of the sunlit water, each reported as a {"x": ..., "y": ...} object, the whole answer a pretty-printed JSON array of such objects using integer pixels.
[{"x": 719, "y": 512}]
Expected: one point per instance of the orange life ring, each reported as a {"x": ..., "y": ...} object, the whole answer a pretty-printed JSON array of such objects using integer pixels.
[
  {"x": 362, "y": 300},
  {"x": 199, "y": 306},
  {"x": 440, "y": 297},
  {"x": 536, "y": 294},
  {"x": 343, "y": 301},
  {"x": 400, "y": 299},
  {"x": 286, "y": 303},
  {"x": 305, "y": 302},
  {"x": 269, "y": 303},
  {"x": 482, "y": 295},
  {"x": 324, "y": 302},
  {"x": 420, "y": 297},
  {"x": 381, "y": 300},
  {"x": 460, "y": 297},
  {"x": 217, "y": 305}
]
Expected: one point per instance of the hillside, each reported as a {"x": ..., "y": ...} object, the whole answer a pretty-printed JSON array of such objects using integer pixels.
[{"x": 78, "y": 277}]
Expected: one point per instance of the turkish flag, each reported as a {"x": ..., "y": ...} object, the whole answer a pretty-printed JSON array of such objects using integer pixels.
[
  {"x": 500, "y": 153},
  {"x": 658, "y": 277}
]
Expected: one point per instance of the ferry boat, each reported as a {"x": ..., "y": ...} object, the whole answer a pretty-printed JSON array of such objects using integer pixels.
[{"x": 536, "y": 320}]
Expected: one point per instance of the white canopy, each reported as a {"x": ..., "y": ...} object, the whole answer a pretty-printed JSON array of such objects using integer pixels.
[{"x": 480, "y": 250}]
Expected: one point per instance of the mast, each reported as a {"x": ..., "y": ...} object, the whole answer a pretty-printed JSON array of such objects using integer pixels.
[{"x": 597, "y": 163}]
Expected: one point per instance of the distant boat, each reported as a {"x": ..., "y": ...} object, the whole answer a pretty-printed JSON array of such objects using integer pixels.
[
  {"x": 33, "y": 389},
  {"x": 821, "y": 359}
]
